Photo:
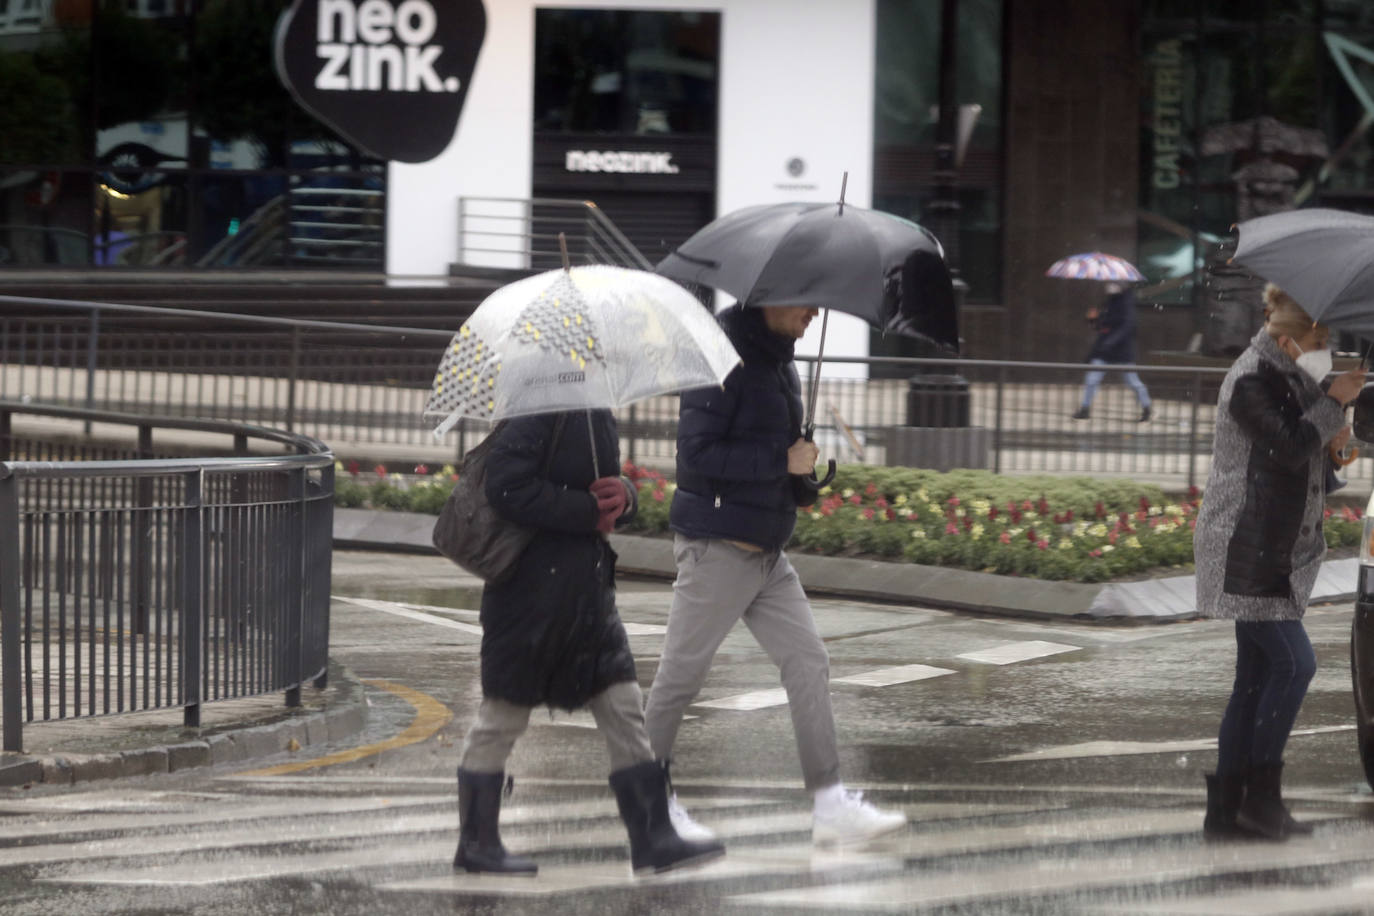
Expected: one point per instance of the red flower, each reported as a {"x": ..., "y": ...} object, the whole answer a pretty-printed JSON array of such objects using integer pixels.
[
  {"x": 826, "y": 510},
  {"x": 1192, "y": 524},
  {"x": 1030, "y": 535},
  {"x": 1144, "y": 505},
  {"x": 1042, "y": 507},
  {"x": 1100, "y": 510},
  {"x": 380, "y": 470},
  {"x": 1141, "y": 514},
  {"x": 954, "y": 500},
  {"x": 1326, "y": 513},
  {"x": 1193, "y": 492},
  {"x": 354, "y": 468},
  {"x": 1005, "y": 538},
  {"x": 1027, "y": 505},
  {"x": 856, "y": 499},
  {"x": 870, "y": 490},
  {"x": 1068, "y": 515},
  {"x": 992, "y": 513},
  {"x": 880, "y": 503},
  {"x": 868, "y": 514},
  {"x": 1042, "y": 544},
  {"x": 1111, "y": 537},
  {"x": 911, "y": 516},
  {"x": 421, "y": 469},
  {"x": 891, "y": 516},
  {"x": 968, "y": 523},
  {"x": 1015, "y": 515},
  {"x": 951, "y": 528},
  {"x": 658, "y": 496},
  {"x": 1094, "y": 552}
]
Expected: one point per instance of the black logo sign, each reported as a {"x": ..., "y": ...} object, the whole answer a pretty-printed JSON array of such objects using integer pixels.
[{"x": 390, "y": 75}]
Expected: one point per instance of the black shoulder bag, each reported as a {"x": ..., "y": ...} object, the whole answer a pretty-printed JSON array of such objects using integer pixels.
[{"x": 470, "y": 532}]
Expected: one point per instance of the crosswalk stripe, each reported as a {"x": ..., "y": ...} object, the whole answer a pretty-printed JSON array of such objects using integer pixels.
[
  {"x": 1013, "y": 652},
  {"x": 1050, "y": 875},
  {"x": 1124, "y": 748},
  {"x": 886, "y": 677},
  {"x": 746, "y": 702},
  {"x": 1271, "y": 901}
]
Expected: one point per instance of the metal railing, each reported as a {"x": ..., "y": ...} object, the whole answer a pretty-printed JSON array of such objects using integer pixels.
[
  {"x": 132, "y": 581},
  {"x": 522, "y": 233},
  {"x": 362, "y": 389}
]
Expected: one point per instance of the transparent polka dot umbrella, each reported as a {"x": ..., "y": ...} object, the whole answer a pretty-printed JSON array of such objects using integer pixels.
[{"x": 580, "y": 338}]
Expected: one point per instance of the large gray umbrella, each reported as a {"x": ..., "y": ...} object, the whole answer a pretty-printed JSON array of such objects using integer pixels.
[{"x": 1323, "y": 258}]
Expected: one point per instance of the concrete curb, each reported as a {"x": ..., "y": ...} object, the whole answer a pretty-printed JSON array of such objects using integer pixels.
[
  {"x": 344, "y": 714},
  {"x": 1162, "y": 600}
]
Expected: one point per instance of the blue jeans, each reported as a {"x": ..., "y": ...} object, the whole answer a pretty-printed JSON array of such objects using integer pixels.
[
  {"x": 1274, "y": 665},
  {"x": 1095, "y": 377}
]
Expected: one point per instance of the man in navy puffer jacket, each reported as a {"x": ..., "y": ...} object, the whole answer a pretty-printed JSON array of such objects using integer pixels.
[{"x": 742, "y": 466}]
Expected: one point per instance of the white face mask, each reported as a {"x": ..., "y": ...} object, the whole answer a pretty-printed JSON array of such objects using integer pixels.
[{"x": 1316, "y": 363}]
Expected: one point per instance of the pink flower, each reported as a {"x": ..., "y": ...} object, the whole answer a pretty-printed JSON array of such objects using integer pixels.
[
  {"x": 953, "y": 501},
  {"x": 1005, "y": 538},
  {"x": 870, "y": 490},
  {"x": 911, "y": 516},
  {"x": 880, "y": 503},
  {"x": 1094, "y": 552},
  {"x": 856, "y": 499},
  {"x": 658, "y": 496},
  {"x": 380, "y": 470},
  {"x": 868, "y": 514},
  {"x": 951, "y": 528},
  {"x": 827, "y": 510},
  {"x": 1042, "y": 544}
]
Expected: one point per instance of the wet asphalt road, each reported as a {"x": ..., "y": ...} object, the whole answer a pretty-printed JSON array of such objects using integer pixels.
[{"x": 1045, "y": 768}]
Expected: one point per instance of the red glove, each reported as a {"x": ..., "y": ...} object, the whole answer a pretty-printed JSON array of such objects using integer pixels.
[{"x": 610, "y": 502}]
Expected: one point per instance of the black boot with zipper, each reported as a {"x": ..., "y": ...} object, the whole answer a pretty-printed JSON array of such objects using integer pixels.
[
  {"x": 642, "y": 796},
  {"x": 479, "y": 840},
  {"x": 1263, "y": 810}
]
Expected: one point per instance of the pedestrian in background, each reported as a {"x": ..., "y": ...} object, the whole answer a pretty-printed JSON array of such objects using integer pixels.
[
  {"x": 551, "y": 635},
  {"x": 1114, "y": 325},
  {"x": 1258, "y": 547},
  {"x": 742, "y": 469}
]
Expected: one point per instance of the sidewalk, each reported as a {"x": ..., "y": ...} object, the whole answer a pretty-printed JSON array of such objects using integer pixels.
[{"x": 78, "y": 750}]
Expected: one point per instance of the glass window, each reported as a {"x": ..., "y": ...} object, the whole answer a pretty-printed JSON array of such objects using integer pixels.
[{"x": 626, "y": 71}]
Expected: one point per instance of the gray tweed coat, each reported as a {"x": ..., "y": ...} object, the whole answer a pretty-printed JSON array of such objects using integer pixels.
[{"x": 1239, "y": 515}]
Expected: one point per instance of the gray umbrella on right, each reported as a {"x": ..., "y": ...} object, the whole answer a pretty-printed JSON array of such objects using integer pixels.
[{"x": 1322, "y": 258}]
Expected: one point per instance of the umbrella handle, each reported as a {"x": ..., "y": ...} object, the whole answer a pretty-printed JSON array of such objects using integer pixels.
[{"x": 809, "y": 481}]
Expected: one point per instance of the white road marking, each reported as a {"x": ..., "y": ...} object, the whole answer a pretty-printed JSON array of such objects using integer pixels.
[
  {"x": 1055, "y": 874},
  {"x": 645, "y": 629},
  {"x": 886, "y": 677},
  {"x": 1014, "y": 652},
  {"x": 1271, "y": 901},
  {"x": 744, "y": 702},
  {"x": 391, "y": 607},
  {"x": 1127, "y": 748}
]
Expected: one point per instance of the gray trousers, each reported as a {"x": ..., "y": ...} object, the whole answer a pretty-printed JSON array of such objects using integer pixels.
[
  {"x": 619, "y": 714},
  {"x": 717, "y": 585}
]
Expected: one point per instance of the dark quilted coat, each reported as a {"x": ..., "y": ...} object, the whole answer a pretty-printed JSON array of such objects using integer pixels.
[
  {"x": 550, "y": 633},
  {"x": 1115, "y": 326},
  {"x": 732, "y": 443}
]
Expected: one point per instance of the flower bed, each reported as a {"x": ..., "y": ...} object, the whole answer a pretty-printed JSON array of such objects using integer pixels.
[{"x": 1076, "y": 528}]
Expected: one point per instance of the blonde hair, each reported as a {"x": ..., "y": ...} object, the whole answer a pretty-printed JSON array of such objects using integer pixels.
[{"x": 1283, "y": 317}]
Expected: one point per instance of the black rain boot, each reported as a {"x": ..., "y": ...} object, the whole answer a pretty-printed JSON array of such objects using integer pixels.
[
  {"x": 1263, "y": 810},
  {"x": 1224, "y": 794},
  {"x": 479, "y": 840},
  {"x": 1081, "y": 413},
  {"x": 642, "y": 796}
]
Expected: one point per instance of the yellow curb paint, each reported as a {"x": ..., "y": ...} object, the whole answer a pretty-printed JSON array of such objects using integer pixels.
[{"x": 430, "y": 716}]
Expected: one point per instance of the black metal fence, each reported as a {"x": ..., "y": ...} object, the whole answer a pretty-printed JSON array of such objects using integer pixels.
[
  {"x": 130, "y": 581},
  {"x": 362, "y": 388}
]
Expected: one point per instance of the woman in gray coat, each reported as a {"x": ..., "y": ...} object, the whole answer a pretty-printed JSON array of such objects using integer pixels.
[{"x": 1258, "y": 547}]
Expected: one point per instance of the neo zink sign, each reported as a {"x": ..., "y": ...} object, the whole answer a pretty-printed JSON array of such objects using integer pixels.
[
  {"x": 389, "y": 75},
  {"x": 623, "y": 161}
]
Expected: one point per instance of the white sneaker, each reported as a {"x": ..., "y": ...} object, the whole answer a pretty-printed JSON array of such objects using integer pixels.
[
  {"x": 850, "y": 819},
  {"x": 683, "y": 823}
]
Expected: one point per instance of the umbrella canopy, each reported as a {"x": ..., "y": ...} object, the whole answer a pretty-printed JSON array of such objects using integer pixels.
[
  {"x": 1323, "y": 258},
  {"x": 584, "y": 338},
  {"x": 888, "y": 271},
  {"x": 1095, "y": 265}
]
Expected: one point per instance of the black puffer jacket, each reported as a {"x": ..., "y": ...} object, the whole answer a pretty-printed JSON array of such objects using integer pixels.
[
  {"x": 732, "y": 443},
  {"x": 1115, "y": 327},
  {"x": 551, "y": 633}
]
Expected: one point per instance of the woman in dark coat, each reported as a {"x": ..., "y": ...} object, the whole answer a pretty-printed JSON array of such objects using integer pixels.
[
  {"x": 551, "y": 636},
  {"x": 1114, "y": 325},
  {"x": 1258, "y": 547}
]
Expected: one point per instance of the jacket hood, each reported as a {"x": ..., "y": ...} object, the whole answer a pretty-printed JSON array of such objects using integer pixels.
[{"x": 749, "y": 332}]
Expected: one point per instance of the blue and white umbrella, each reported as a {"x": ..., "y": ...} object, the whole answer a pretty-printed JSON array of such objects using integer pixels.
[{"x": 1095, "y": 265}]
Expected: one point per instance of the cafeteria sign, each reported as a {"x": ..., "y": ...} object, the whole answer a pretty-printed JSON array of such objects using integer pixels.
[{"x": 389, "y": 76}]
